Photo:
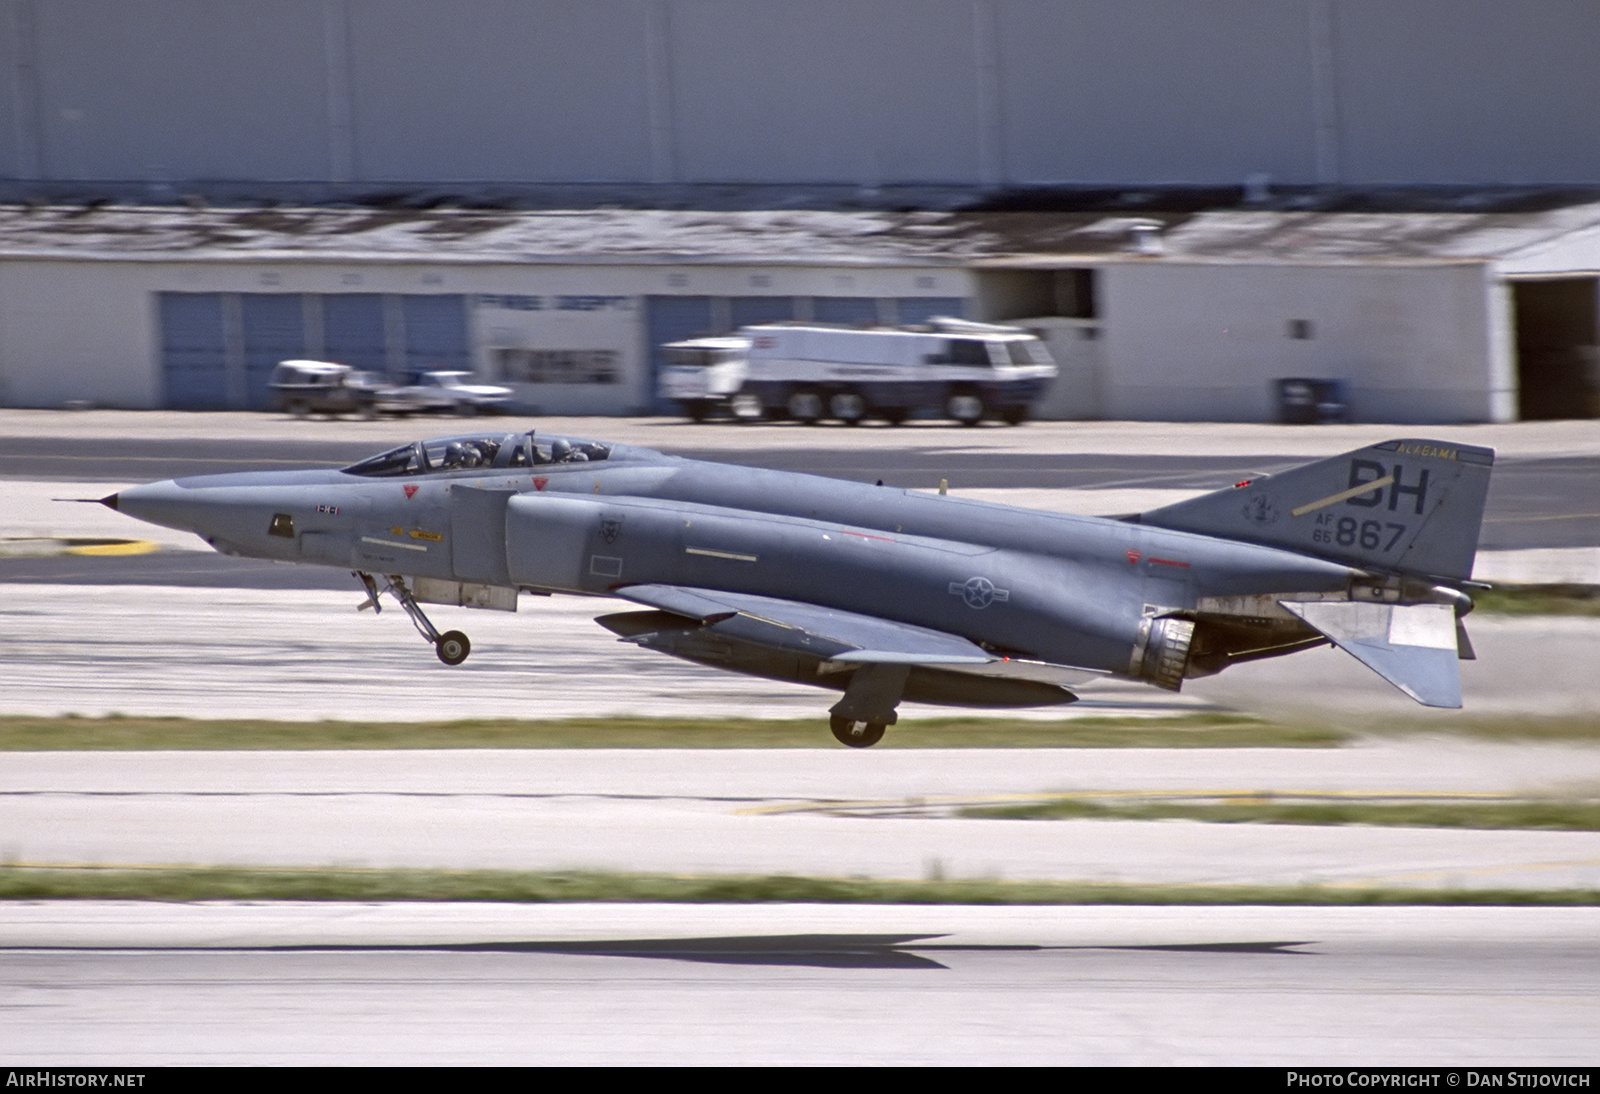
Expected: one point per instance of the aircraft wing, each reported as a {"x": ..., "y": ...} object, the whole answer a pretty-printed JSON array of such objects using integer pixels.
[
  {"x": 839, "y": 637},
  {"x": 810, "y": 628}
]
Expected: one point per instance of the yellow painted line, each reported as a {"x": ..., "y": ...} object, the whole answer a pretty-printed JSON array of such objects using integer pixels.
[
  {"x": 125, "y": 547},
  {"x": 1444, "y": 876},
  {"x": 1531, "y": 520},
  {"x": 1343, "y": 495}
]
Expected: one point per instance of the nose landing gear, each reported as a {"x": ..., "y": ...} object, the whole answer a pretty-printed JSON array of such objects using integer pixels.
[{"x": 451, "y": 646}]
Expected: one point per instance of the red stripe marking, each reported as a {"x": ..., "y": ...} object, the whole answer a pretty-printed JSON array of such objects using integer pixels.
[
  {"x": 1168, "y": 562},
  {"x": 864, "y": 535}
]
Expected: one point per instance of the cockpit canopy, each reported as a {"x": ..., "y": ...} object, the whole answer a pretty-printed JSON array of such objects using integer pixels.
[{"x": 478, "y": 451}]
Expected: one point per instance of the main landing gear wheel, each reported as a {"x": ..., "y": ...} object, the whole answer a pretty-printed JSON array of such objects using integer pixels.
[
  {"x": 453, "y": 647},
  {"x": 856, "y": 734}
]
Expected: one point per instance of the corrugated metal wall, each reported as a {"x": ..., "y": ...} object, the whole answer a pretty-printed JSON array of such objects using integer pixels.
[{"x": 968, "y": 92}]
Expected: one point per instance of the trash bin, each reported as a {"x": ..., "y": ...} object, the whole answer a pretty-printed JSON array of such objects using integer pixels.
[{"x": 1311, "y": 402}]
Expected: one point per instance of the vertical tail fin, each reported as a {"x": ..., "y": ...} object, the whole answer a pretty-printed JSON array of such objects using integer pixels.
[{"x": 1409, "y": 507}]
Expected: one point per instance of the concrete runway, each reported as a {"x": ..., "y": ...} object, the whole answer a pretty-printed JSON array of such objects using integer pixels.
[
  {"x": 120, "y": 985},
  {"x": 95, "y": 984},
  {"x": 308, "y": 654},
  {"x": 824, "y": 812}
]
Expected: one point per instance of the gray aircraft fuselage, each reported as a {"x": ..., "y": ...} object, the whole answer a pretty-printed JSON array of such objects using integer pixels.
[{"x": 1052, "y": 589}]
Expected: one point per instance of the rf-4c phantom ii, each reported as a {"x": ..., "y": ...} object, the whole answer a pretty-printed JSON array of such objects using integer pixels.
[{"x": 881, "y": 593}]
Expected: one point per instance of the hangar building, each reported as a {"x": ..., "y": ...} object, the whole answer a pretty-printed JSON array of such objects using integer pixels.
[
  {"x": 1424, "y": 317},
  {"x": 571, "y": 139}
]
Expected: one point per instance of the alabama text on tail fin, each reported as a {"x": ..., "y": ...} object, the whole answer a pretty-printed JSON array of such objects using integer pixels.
[
  {"x": 1407, "y": 511},
  {"x": 1401, "y": 507}
]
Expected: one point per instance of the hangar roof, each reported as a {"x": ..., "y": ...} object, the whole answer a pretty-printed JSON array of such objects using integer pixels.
[{"x": 791, "y": 237}]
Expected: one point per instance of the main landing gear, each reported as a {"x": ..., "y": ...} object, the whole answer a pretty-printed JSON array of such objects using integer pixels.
[
  {"x": 856, "y": 734},
  {"x": 867, "y": 709},
  {"x": 451, "y": 646}
]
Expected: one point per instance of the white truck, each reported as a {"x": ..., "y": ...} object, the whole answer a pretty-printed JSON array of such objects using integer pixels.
[
  {"x": 702, "y": 375},
  {"x": 812, "y": 371}
]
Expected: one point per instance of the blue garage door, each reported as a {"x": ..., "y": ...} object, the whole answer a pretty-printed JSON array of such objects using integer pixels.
[
  {"x": 274, "y": 330},
  {"x": 844, "y": 309},
  {"x": 920, "y": 309},
  {"x": 672, "y": 319},
  {"x": 436, "y": 332},
  {"x": 353, "y": 331},
  {"x": 194, "y": 342},
  {"x": 746, "y": 311}
]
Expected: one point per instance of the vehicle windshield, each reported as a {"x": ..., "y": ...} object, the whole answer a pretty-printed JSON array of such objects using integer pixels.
[
  {"x": 1028, "y": 351},
  {"x": 477, "y": 451}
]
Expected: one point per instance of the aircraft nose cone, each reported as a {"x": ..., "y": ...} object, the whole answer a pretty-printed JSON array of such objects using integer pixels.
[
  {"x": 164, "y": 503},
  {"x": 110, "y": 501}
]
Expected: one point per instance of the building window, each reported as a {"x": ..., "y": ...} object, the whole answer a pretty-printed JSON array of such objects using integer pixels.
[{"x": 558, "y": 366}]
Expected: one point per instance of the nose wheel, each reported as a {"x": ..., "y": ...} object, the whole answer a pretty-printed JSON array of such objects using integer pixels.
[{"x": 451, "y": 646}]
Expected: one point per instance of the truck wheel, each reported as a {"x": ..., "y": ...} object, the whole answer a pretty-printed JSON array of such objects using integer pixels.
[
  {"x": 746, "y": 407},
  {"x": 965, "y": 408},
  {"x": 299, "y": 408},
  {"x": 848, "y": 406},
  {"x": 805, "y": 406}
]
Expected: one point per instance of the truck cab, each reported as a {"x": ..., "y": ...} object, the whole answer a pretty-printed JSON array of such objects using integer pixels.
[{"x": 704, "y": 375}]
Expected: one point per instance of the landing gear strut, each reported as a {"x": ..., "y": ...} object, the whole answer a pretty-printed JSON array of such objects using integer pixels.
[{"x": 451, "y": 646}]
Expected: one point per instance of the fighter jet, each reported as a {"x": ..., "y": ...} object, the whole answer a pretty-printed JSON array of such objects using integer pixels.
[{"x": 880, "y": 593}]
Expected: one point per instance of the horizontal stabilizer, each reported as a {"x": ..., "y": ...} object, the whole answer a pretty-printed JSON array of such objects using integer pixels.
[
  {"x": 827, "y": 633},
  {"x": 1413, "y": 646}
]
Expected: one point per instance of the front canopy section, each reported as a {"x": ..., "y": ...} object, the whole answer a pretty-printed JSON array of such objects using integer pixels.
[{"x": 478, "y": 451}]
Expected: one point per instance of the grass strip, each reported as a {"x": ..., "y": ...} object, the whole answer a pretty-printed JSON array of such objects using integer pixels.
[
  {"x": 211, "y": 883},
  {"x": 1197, "y": 730},
  {"x": 143, "y": 734},
  {"x": 1538, "y": 600},
  {"x": 1583, "y": 816}
]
